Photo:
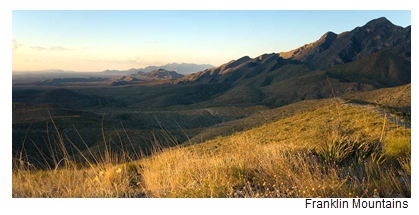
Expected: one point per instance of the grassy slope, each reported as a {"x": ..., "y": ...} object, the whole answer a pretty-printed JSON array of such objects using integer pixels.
[
  {"x": 139, "y": 125},
  {"x": 396, "y": 97},
  {"x": 279, "y": 159},
  {"x": 259, "y": 118}
]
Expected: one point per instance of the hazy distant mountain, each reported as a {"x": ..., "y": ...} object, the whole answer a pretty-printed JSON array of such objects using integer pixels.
[
  {"x": 158, "y": 74},
  {"x": 183, "y": 68},
  {"x": 122, "y": 72}
]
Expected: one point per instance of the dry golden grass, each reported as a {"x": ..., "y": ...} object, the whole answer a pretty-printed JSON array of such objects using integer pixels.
[{"x": 279, "y": 159}]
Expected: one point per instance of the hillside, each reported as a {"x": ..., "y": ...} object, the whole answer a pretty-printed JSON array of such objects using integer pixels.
[
  {"x": 396, "y": 97},
  {"x": 292, "y": 157},
  {"x": 257, "y": 119}
]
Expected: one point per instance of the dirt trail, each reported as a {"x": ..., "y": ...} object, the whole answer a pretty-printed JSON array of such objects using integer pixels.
[{"x": 389, "y": 116}]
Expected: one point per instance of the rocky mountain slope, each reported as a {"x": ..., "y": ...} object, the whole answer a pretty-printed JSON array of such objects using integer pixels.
[
  {"x": 331, "y": 49},
  {"x": 373, "y": 56}
]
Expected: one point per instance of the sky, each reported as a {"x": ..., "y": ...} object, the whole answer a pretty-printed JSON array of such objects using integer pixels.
[{"x": 92, "y": 41}]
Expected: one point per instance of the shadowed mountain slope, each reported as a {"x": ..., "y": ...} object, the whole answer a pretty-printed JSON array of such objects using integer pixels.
[
  {"x": 236, "y": 71},
  {"x": 381, "y": 69},
  {"x": 331, "y": 49}
]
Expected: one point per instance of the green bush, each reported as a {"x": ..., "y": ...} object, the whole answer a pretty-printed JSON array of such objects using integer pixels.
[{"x": 397, "y": 147}]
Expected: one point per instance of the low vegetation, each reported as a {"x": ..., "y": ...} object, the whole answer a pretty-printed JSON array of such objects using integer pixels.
[
  {"x": 394, "y": 97},
  {"x": 332, "y": 151}
]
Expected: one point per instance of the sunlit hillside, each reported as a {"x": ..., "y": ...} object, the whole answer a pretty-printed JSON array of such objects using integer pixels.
[{"x": 333, "y": 151}]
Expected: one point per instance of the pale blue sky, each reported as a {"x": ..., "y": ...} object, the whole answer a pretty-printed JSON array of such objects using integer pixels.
[{"x": 98, "y": 40}]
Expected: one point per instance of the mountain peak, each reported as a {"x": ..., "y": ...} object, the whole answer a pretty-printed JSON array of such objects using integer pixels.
[
  {"x": 379, "y": 21},
  {"x": 266, "y": 56},
  {"x": 328, "y": 35},
  {"x": 305, "y": 52}
]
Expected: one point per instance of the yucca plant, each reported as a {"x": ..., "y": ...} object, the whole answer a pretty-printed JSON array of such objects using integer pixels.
[
  {"x": 378, "y": 158},
  {"x": 337, "y": 151},
  {"x": 370, "y": 150}
]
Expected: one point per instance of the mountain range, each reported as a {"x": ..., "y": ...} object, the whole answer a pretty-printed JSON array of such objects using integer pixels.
[
  {"x": 183, "y": 68},
  {"x": 155, "y": 75},
  {"x": 373, "y": 56},
  {"x": 376, "y": 55},
  {"x": 331, "y": 49}
]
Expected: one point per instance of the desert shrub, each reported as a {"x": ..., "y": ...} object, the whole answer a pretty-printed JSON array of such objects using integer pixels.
[
  {"x": 398, "y": 145},
  {"x": 344, "y": 150}
]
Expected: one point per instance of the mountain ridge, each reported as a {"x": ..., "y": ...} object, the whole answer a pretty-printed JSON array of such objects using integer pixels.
[
  {"x": 331, "y": 49},
  {"x": 158, "y": 74},
  {"x": 185, "y": 68},
  {"x": 369, "y": 57},
  {"x": 376, "y": 35}
]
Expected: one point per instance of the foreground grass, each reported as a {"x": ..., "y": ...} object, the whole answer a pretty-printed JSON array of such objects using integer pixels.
[{"x": 330, "y": 152}]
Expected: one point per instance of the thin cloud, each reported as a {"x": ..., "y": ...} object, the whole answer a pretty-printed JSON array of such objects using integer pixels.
[
  {"x": 39, "y": 48},
  {"x": 15, "y": 45},
  {"x": 58, "y": 48},
  {"x": 51, "y": 48},
  {"x": 130, "y": 60}
]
